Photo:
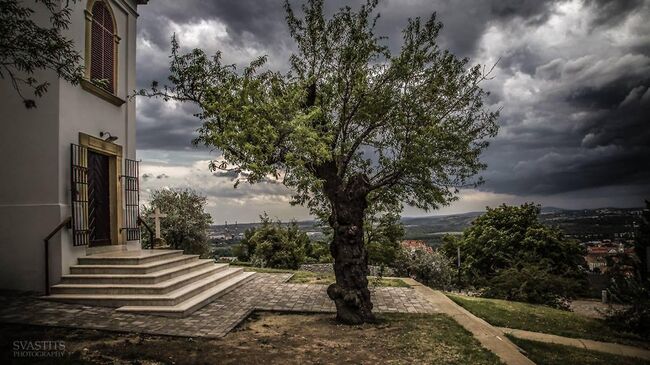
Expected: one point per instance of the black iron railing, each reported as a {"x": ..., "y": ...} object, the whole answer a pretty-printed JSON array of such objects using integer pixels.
[
  {"x": 66, "y": 223},
  {"x": 79, "y": 195},
  {"x": 131, "y": 184}
]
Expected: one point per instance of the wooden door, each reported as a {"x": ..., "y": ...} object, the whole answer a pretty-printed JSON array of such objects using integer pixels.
[{"x": 99, "y": 212}]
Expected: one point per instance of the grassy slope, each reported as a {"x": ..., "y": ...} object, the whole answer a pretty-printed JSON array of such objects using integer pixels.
[
  {"x": 539, "y": 318},
  {"x": 553, "y": 354},
  {"x": 308, "y": 277},
  {"x": 437, "y": 339}
]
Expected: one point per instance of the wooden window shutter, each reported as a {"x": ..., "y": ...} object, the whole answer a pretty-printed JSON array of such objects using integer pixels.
[{"x": 102, "y": 53}]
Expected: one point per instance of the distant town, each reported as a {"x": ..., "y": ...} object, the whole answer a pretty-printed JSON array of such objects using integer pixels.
[{"x": 604, "y": 232}]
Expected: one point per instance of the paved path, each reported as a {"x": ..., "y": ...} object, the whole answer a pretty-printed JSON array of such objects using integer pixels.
[
  {"x": 262, "y": 292},
  {"x": 490, "y": 337},
  {"x": 593, "y": 308},
  {"x": 612, "y": 348}
]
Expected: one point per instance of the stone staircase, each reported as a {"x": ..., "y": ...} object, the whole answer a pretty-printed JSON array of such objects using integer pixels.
[{"x": 159, "y": 282}]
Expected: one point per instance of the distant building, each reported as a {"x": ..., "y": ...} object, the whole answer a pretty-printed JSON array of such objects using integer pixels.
[
  {"x": 597, "y": 256},
  {"x": 414, "y": 245}
]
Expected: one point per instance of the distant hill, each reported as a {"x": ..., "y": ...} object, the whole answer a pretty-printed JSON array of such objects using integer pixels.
[{"x": 583, "y": 224}]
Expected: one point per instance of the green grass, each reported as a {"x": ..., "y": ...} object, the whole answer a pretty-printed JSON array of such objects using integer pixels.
[
  {"x": 540, "y": 318},
  {"x": 308, "y": 277},
  {"x": 553, "y": 354},
  {"x": 437, "y": 338}
]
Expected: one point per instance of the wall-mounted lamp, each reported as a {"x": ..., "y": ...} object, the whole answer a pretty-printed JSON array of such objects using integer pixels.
[{"x": 107, "y": 137}]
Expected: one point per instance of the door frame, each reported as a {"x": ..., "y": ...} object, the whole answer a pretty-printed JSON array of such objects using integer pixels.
[{"x": 114, "y": 153}]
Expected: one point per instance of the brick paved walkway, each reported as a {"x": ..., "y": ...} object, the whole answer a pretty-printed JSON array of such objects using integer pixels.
[{"x": 262, "y": 292}]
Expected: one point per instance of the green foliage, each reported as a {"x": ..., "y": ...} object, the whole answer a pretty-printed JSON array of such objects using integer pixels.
[
  {"x": 628, "y": 285},
  {"x": 186, "y": 225},
  {"x": 410, "y": 126},
  {"x": 432, "y": 269},
  {"x": 511, "y": 236},
  {"x": 27, "y": 46},
  {"x": 513, "y": 256},
  {"x": 642, "y": 242},
  {"x": 636, "y": 316},
  {"x": 383, "y": 233},
  {"x": 532, "y": 284},
  {"x": 317, "y": 252},
  {"x": 274, "y": 245}
]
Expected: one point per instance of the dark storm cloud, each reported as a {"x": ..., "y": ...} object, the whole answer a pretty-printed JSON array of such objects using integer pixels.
[
  {"x": 262, "y": 23},
  {"x": 230, "y": 174},
  {"x": 574, "y": 106},
  {"x": 611, "y": 146},
  {"x": 162, "y": 127},
  {"x": 610, "y": 12},
  {"x": 522, "y": 59}
]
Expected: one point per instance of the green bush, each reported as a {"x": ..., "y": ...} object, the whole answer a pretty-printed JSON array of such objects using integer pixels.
[
  {"x": 508, "y": 253},
  {"x": 532, "y": 284},
  {"x": 318, "y": 252},
  {"x": 507, "y": 236},
  {"x": 432, "y": 269},
  {"x": 186, "y": 225},
  {"x": 241, "y": 252},
  {"x": 383, "y": 233},
  {"x": 274, "y": 245},
  {"x": 629, "y": 287}
]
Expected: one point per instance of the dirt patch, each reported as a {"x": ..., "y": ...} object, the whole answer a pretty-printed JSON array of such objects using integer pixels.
[
  {"x": 272, "y": 338},
  {"x": 594, "y": 308}
]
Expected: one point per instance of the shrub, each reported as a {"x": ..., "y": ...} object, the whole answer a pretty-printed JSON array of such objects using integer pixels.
[
  {"x": 629, "y": 287},
  {"x": 383, "y": 233},
  {"x": 636, "y": 317},
  {"x": 274, "y": 244},
  {"x": 432, "y": 269},
  {"x": 241, "y": 252},
  {"x": 186, "y": 225},
  {"x": 532, "y": 284},
  {"x": 318, "y": 252},
  {"x": 508, "y": 236}
]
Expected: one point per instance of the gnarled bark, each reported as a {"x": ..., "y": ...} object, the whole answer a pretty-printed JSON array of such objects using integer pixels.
[{"x": 350, "y": 292}]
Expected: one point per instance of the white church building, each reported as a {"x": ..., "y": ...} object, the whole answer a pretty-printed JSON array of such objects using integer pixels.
[
  {"x": 69, "y": 194},
  {"x": 59, "y": 159}
]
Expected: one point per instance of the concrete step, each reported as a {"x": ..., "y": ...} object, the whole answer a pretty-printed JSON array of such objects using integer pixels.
[
  {"x": 194, "y": 303},
  {"x": 133, "y": 279},
  {"x": 162, "y": 287},
  {"x": 129, "y": 257},
  {"x": 139, "y": 269},
  {"x": 169, "y": 299}
]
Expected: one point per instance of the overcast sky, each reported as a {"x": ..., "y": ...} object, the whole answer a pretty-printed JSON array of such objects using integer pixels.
[{"x": 572, "y": 81}]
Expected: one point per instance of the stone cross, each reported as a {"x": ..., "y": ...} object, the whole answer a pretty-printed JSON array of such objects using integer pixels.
[{"x": 156, "y": 217}]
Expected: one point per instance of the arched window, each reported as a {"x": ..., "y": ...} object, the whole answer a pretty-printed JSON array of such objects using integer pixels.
[{"x": 102, "y": 46}]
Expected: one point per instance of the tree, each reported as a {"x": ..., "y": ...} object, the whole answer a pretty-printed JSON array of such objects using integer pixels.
[
  {"x": 511, "y": 236},
  {"x": 642, "y": 242},
  {"x": 186, "y": 225},
  {"x": 274, "y": 244},
  {"x": 431, "y": 268},
  {"x": 27, "y": 46},
  {"x": 350, "y": 124},
  {"x": 383, "y": 233}
]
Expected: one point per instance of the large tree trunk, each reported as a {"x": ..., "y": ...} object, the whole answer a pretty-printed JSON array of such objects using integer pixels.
[{"x": 350, "y": 292}]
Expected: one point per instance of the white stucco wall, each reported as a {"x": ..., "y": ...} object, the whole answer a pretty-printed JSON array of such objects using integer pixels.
[{"x": 35, "y": 156}]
